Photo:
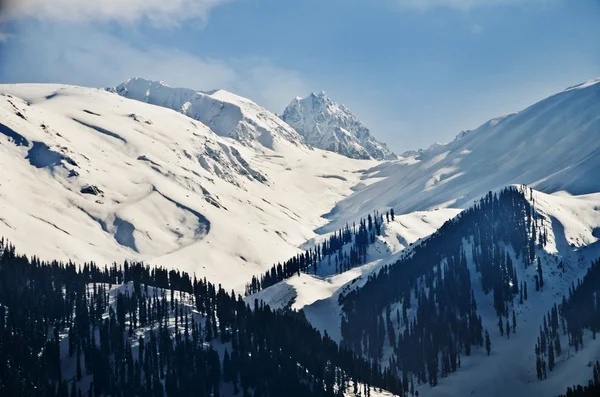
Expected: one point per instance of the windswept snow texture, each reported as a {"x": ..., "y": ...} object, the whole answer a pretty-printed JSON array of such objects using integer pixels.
[
  {"x": 170, "y": 191},
  {"x": 226, "y": 114},
  {"x": 329, "y": 126},
  {"x": 551, "y": 146}
]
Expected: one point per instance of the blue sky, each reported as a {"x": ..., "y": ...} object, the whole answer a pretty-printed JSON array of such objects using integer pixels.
[{"x": 415, "y": 71}]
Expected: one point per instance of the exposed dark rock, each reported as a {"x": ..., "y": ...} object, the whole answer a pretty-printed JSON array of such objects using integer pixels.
[{"x": 91, "y": 189}]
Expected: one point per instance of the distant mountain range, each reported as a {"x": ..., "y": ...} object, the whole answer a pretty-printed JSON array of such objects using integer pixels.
[
  {"x": 226, "y": 114},
  {"x": 315, "y": 120}
]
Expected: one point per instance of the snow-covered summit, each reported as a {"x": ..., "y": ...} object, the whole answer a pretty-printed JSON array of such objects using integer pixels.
[
  {"x": 331, "y": 126},
  {"x": 227, "y": 114}
]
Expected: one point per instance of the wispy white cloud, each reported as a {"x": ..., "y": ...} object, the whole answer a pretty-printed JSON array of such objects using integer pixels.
[
  {"x": 271, "y": 86},
  {"x": 160, "y": 12},
  {"x": 87, "y": 56}
]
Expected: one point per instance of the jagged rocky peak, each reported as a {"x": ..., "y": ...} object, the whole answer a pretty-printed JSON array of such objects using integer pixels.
[
  {"x": 225, "y": 113},
  {"x": 328, "y": 125}
]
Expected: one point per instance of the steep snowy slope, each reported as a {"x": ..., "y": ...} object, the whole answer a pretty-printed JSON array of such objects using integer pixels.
[
  {"x": 330, "y": 126},
  {"x": 301, "y": 292},
  {"x": 572, "y": 224},
  {"x": 227, "y": 114},
  {"x": 553, "y": 145},
  {"x": 89, "y": 175}
]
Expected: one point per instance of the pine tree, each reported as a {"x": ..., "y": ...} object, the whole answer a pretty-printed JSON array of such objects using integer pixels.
[
  {"x": 544, "y": 369},
  {"x": 392, "y": 214},
  {"x": 500, "y": 326},
  {"x": 208, "y": 329},
  {"x": 525, "y": 291},
  {"x": 550, "y": 357},
  {"x": 540, "y": 273},
  {"x": 78, "y": 363},
  {"x": 521, "y": 295},
  {"x": 514, "y": 322},
  {"x": 488, "y": 343}
]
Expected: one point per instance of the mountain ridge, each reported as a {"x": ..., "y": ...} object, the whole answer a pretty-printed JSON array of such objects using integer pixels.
[
  {"x": 331, "y": 126},
  {"x": 193, "y": 186},
  {"x": 552, "y": 145},
  {"x": 93, "y": 176},
  {"x": 566, "y": 241},
  {"x": 227, "y": 114}
]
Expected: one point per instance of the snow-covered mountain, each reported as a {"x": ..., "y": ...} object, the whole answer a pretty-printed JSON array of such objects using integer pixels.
[
  {"x": 553, "y": 145},
  {"x": 572, "y": 224},
  {"x": 225, "y": 113},
  {"x": 88, "y": 175},
  {"x": 94, "y": 170},
  {"x": 330, "y": 126},
  {"x": 210, "y": 183}
]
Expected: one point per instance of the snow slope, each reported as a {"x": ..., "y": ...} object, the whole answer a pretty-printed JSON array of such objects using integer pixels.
[
  {"x": 88, "y": 175},
  {"x": 573, "y": 224},
  {"x": 330, "y": 126},
  {"x": 551, "y": 146},
  {"x": 318, "y": 294},
  {"x": 510, "y": 370},
  {"x": 227, "y": 114}
]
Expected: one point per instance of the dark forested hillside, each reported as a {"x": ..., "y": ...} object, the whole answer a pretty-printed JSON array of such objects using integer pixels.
[
  {"x": 592, "y": 389},
  {"x": 581, "y": 310},
  {"x": 132, "y": 330},
  {"x": 434, "y": 283},
  {"x": 346, "y": 248}
]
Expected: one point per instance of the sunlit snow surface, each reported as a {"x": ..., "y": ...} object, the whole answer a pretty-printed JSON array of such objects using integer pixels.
[
  {"x": 551, "y": 146},
  {"x": 174, "y": 192}
]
